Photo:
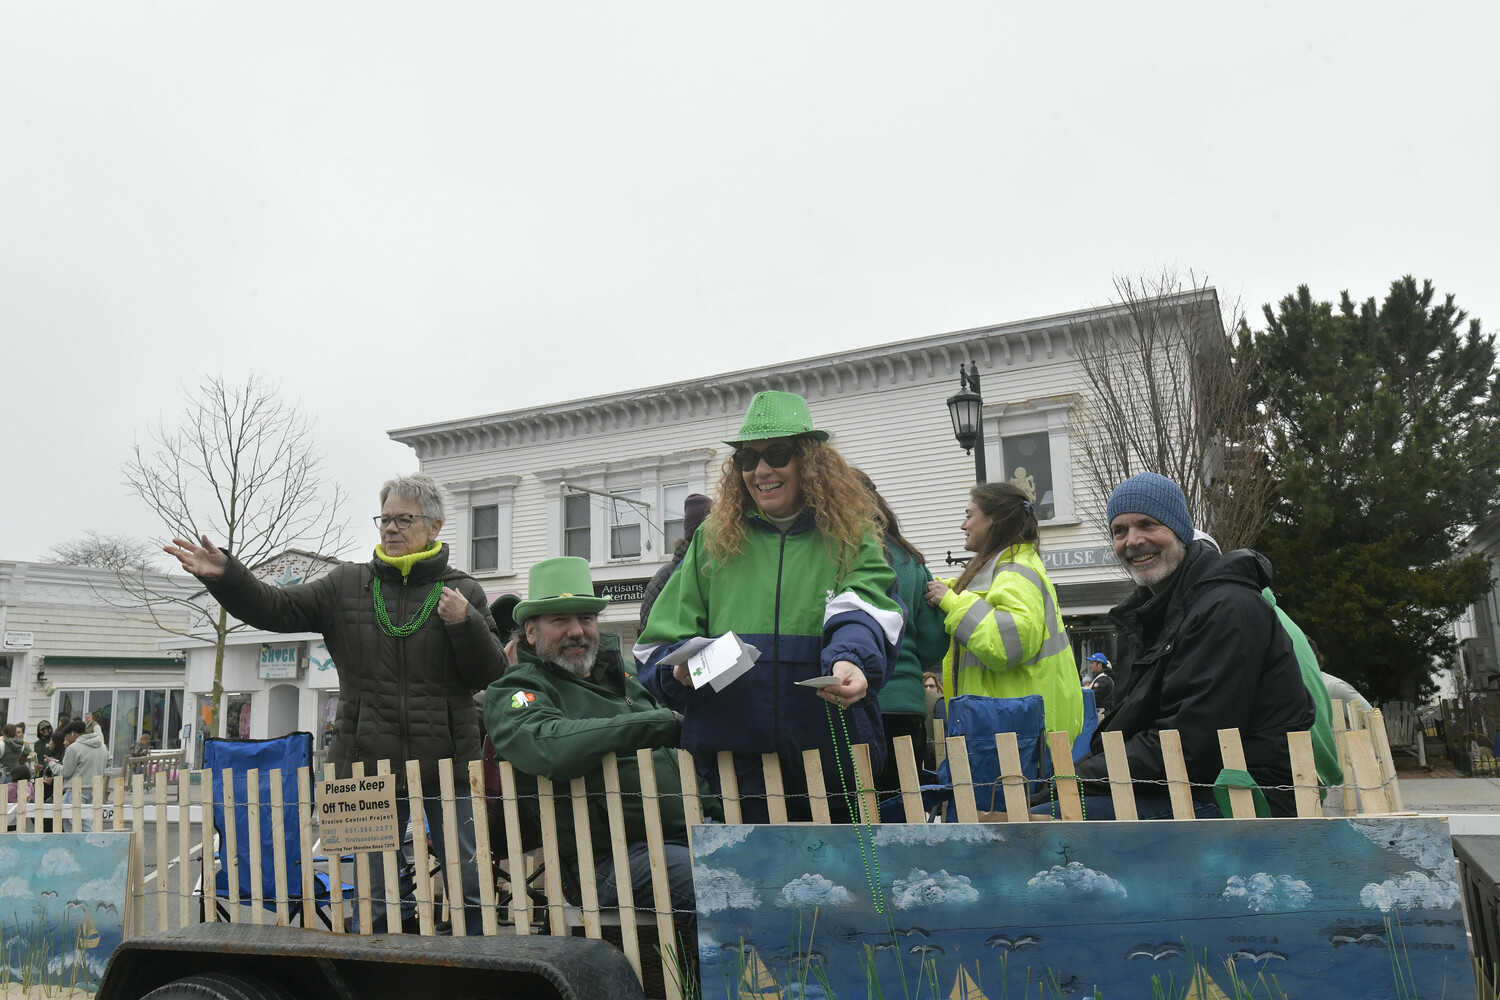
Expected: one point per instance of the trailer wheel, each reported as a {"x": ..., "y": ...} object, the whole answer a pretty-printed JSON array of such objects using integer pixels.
[{"x": 220, "y": 986}]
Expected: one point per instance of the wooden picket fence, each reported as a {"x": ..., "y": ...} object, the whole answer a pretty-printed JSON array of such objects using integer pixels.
[{"x": 175, "y": 884}]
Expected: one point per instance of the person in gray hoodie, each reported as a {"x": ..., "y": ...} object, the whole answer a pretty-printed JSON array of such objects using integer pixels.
[{"x": 84, "y": 757}]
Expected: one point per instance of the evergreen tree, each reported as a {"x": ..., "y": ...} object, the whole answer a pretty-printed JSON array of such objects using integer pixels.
[{"x": 1386, "y": 446}]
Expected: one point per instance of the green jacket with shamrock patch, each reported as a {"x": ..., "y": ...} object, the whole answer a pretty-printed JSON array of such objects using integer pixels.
[{"x": 546, "y": 721}]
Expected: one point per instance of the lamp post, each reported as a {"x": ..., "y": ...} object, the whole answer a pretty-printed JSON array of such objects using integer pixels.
[{"x": 966, "y": 407}]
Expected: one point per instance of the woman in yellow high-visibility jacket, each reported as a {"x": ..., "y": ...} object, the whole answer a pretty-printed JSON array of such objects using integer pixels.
[{"x": 1007, "y": 637}]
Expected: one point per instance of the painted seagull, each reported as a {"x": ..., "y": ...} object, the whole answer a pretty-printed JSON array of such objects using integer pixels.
[
  {"x": 1367, "y": 940},
  {"x": 1158, "y": 953},
  {"x": 1009, "y": 944}
]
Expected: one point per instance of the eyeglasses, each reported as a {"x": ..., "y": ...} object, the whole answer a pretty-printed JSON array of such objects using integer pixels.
[
  {"x": 402, "y": 521},
  {"x": 778, "y": 456}
]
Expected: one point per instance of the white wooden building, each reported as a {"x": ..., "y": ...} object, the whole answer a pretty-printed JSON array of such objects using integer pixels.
[
  {"x": 72, "y": 644},
  {"x": 519, "y": 478},
  {"x": 1478, "y": 631}
]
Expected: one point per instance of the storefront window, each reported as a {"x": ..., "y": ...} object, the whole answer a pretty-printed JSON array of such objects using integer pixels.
[
  {"x": 174, "y": 719},
  {"x": 129, "y": 717},
  {"x": 237, "y": 716},
  {"x": 70, "y": 703},
  {"x": 101, "y": 708},
  {"x": 128, "y": 720},
  {"x": 152, "y": 713},
  {"x": 330, "y": 711}
]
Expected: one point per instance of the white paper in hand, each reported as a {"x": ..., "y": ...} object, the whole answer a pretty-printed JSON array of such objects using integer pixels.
[{"x": 716, "y": 662}]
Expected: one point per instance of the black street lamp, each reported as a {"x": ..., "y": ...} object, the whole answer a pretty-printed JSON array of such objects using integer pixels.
[{"x": 966, "y": 407}]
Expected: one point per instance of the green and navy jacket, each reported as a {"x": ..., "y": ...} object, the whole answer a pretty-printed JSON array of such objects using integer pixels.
[{"x": 784, "y": 595}]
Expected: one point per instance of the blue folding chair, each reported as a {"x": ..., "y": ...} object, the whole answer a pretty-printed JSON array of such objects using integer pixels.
[
  {"x": 1090, "y": 725},
  {"x": 977, "y": 719},
  {"x": 285, "y": 754}
]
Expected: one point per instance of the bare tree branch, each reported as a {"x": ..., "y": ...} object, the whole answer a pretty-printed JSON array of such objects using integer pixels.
[
  {"x": 116, "y": 552},
  {"x": 244, "y": 456},
  {"x": 1171, "y": 394}
]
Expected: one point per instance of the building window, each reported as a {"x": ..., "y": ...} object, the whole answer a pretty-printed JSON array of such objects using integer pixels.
[
  {"x": 1034, "y": 452},
  {"x": 673, "y": 499},
  {"x": 625, "y": 526},
  {"x": 484, "y": 545},
  {"x": 577, "y": 537},
  {"x": 5, "y": 671},
  {"x": 481, "y": 523},
  {"x": 622, "y": 511},
  {"x": 1028, "y": 464}
]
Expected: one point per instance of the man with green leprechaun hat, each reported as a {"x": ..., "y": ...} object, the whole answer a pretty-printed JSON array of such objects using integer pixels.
[
  {"x": 413, "y": 640},
  {"x": 568, "y": 702}
]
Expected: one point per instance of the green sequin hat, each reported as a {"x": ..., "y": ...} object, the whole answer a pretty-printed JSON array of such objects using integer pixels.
[
  {"x": 776, "y": 415},
  {"x": 559, "y": 586}
]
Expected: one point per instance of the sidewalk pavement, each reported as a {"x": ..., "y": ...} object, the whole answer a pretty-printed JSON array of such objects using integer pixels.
[
  {"x": 1464, "y": 795},
  {"x": 1472, "y": 805}
]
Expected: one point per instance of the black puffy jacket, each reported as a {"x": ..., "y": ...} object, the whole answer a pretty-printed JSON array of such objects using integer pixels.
[
  {"x": 1205, "y": 654},
  {"x": 400, "y": 698}
]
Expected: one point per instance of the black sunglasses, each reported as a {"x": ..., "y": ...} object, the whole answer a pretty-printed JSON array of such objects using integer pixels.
[{"x": 778, "y": 456}]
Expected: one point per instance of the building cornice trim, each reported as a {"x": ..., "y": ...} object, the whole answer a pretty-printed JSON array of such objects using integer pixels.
[{"x": 1006, "y": 345}]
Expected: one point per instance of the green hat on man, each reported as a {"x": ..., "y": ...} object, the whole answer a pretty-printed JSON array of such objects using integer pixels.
[
  {"x": 777, "y": 415},
  {"x": 559, "y": 586}
]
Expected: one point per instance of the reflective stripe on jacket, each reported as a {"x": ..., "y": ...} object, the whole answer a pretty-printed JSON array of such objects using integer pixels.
[{"x": 1008, "y": 639}]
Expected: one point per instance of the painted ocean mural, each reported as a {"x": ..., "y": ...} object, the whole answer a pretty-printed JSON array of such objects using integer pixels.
[
  {"x": 62, "y": 905},
  {"x": 1356, "y": 908}
]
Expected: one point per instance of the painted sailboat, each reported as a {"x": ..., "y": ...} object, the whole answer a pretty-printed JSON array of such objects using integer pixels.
[
  {"x": 965, "y": 988},
  {"x": 757, "y": 980},
  {"x": 88, "y": 932},
  {"x": 1203, "y": 986}
]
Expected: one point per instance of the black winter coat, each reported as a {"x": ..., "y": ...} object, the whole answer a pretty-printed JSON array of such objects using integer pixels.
[
  {"x": 1205, "y": 654},
  {"x": 400, "y": 698}
]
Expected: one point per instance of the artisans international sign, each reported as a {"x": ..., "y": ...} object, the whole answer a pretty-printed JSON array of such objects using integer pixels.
[{"x": 621, "y": 590}]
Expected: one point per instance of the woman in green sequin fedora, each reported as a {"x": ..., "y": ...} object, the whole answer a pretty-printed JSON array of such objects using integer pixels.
[
  {"x": 412, "y": 638},
  {"x": 790, "y": 559}
]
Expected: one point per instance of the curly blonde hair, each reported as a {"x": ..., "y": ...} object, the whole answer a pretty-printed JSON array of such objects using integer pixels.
[{"x": 844, "y": 511}]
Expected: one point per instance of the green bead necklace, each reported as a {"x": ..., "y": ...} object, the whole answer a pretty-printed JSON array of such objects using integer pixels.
[
  {"x": 863, "y": 832},
  {"x": 417, "y": 622}
]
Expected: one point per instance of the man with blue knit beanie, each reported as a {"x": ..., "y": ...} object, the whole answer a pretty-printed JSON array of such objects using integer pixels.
[{"x": 1201, "y": 651}]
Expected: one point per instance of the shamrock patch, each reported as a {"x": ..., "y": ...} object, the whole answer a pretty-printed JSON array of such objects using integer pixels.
[{"x": 521, "y": 699}]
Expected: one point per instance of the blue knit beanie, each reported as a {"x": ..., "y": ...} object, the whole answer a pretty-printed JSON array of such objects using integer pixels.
[{"x": 1155, "y": 496}]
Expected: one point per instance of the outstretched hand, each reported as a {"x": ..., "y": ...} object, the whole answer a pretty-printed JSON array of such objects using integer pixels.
[
  {"x": 204, "y": 561},
  {"x": 852, "y": 686}
]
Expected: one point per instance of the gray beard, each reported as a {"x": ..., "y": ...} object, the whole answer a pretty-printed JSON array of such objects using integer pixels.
[
  {"x": 579, "y": 667},
  {"x": 1156, "y": 578}
]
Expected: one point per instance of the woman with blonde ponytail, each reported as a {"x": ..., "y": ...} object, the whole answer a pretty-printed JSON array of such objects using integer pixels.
[{"x": 1001, "y": 613}]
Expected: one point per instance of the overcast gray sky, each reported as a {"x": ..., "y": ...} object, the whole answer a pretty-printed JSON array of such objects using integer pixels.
[{"x": 409, "y": 213}]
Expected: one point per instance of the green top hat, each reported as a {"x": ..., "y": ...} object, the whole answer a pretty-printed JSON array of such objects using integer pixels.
[
  {"x": 776, "y": 415},
  {"x": 559, "y": 586}
]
